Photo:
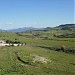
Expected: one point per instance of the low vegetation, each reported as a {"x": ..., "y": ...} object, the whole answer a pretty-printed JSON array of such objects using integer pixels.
[{"x": 43, "y": 53}]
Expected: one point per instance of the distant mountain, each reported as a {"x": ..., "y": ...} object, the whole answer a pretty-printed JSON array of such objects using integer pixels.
[
  {"x": 20, "y": 29},
  {"x": 47, "y": 28},
  {"x": 65, "y": 26},
  {"x": 2, "y": 30}
]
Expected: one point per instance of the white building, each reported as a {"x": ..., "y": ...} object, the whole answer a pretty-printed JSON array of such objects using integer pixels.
[{"x": 2, "y": 42}]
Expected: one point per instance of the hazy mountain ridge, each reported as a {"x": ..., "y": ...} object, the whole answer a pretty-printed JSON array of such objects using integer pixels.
[
  {"x": 64, "y": 26},
  {"x": 20, "y": 29}
]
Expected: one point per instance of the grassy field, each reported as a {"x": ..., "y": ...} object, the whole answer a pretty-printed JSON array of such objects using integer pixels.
[
  {"x": 42, "y": 61},
  {"x": 58, "y": 62}
]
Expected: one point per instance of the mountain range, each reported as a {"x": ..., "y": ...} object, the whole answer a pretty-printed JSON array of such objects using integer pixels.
[
  {"x": 20, "y": 29},
  {"x": 64, "y": 26}
]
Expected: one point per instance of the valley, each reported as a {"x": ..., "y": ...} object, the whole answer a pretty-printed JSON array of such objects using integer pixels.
[{"x": 45, "y": 52}]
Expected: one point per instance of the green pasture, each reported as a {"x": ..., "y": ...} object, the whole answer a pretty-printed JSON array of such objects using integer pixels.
[
  {"x": 59, "y": 63},
  {"x": 38, "y": 41}
]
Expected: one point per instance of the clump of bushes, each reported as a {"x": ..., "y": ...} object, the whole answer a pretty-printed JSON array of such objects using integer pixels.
[
  {"x": 60, "y": 48},
  {"x": 8, "y": 41}
]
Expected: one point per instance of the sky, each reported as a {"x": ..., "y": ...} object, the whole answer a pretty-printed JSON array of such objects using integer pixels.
[{"x": 35, "y": 13}]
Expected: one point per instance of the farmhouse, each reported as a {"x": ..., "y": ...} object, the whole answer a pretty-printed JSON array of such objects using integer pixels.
[{"x": 3, "y": 43}]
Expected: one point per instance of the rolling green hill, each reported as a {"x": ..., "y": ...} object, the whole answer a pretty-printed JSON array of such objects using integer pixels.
[
  {"x": 45, "y": 53},
  {"x": 58, "y": 62}
]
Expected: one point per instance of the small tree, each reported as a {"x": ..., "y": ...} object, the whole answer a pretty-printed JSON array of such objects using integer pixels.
[{"x": 63, "y": 48}]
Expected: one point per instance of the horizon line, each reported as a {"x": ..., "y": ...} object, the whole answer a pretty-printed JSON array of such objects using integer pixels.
[{"x": 35, "y": 27}]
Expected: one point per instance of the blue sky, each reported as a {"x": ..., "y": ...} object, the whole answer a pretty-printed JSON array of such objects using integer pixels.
[{"x": 35, "y": 13}]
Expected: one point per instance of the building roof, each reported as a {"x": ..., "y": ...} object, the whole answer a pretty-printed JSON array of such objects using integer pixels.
[{"x": 2, "y": 41}]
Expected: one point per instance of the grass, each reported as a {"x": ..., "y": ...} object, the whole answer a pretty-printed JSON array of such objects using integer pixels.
[{"x": 59, "y": 63}]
